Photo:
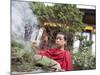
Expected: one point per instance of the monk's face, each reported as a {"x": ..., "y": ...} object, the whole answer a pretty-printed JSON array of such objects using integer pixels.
[{"x": 60, "y": 41}]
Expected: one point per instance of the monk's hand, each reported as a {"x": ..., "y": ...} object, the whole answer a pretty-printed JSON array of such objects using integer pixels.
[{"x": 35, "y": 47}]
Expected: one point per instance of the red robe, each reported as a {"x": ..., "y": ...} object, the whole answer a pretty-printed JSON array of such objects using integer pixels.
[{"x": 62, "y": 57}]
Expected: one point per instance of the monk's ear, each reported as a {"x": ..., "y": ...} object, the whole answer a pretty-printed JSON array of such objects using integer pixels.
[{"x": 65, "y": 42}]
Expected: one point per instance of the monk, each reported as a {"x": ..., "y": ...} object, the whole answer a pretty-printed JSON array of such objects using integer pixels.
[{"x": 60, "y": 54}]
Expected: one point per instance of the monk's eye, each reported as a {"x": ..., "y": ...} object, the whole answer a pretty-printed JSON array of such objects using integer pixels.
[{"x": 58, "y": 38}]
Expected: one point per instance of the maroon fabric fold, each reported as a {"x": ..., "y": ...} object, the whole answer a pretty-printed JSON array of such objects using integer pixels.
[{"x": 63, "y": 57}]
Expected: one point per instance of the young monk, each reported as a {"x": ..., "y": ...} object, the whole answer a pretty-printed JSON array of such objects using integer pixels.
[{"x": 59, "y": 54}]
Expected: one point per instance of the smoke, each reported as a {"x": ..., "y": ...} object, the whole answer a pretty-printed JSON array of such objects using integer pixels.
[{"x": 24, "y": 22}]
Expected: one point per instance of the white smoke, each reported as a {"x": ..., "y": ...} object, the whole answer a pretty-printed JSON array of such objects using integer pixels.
[{"x": 22, "y": 16}]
